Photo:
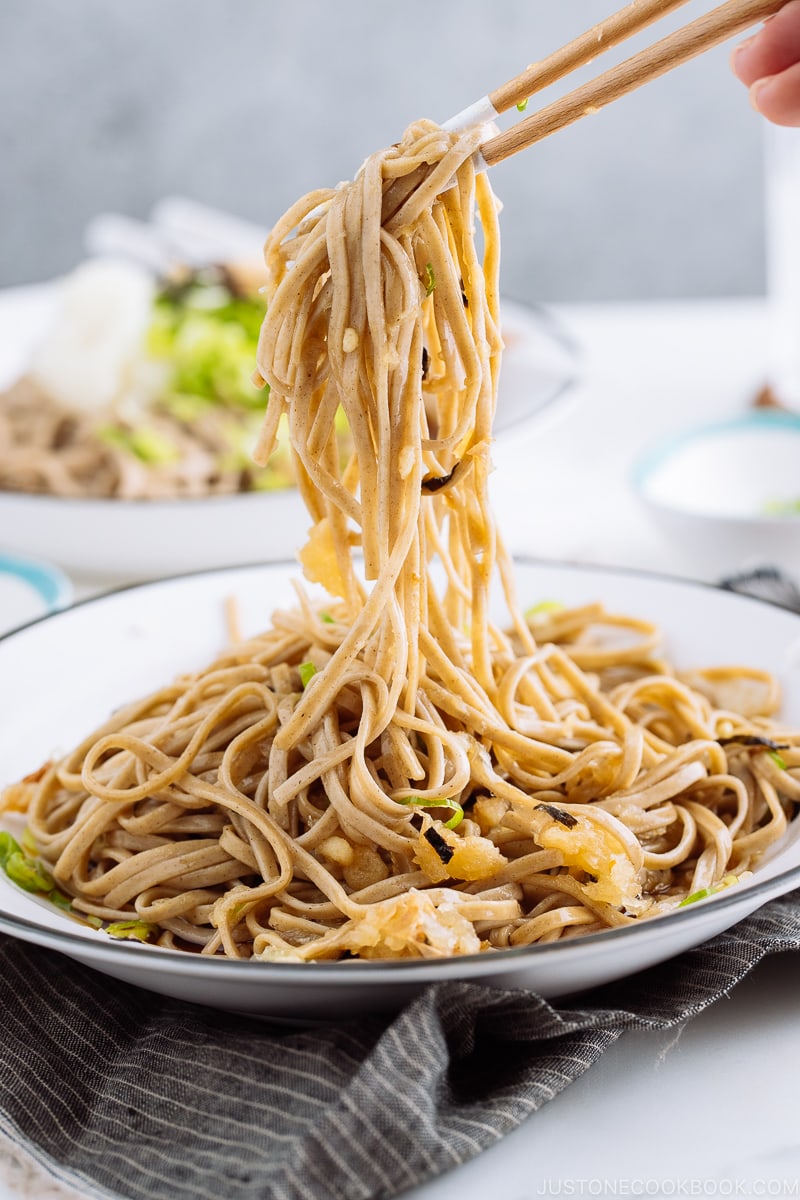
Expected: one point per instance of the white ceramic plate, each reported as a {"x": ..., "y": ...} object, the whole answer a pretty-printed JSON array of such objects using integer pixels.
[
  {"x": 71, "y": 669},
  {"x": 147, "y": 539}
]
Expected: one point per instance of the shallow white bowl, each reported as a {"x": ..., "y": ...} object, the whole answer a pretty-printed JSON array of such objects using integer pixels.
[
  {"x": 70, "y": 670},
  {"x": 147, "y": 539},
  {"x": 711, "y": 490}
]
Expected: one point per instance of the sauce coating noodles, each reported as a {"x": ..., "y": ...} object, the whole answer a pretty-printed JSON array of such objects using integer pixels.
[{"x": 390, "y": 772}]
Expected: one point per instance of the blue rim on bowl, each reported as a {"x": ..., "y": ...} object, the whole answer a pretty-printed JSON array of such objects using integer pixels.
[
  {"x": 49, "y": 583},
  {"x": 655, "y": 456}
]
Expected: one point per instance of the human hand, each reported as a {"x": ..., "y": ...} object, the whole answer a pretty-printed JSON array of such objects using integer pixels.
[{"x": 769, "y": 65}]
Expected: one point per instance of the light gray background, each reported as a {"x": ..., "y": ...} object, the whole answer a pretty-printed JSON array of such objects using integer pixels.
[{"x": 245, "y": 104}]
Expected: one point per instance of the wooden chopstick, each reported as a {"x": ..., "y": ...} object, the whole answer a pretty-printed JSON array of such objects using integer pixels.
[
  {"x": 679, "y": 47},
  {"x": 631, "y": 19}
]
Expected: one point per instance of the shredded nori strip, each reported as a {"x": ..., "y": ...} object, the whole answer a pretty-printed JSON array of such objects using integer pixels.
[
  {"x": 426, "y": 362},
  {"x": 442, "y": 848},
  {"x": 434, "y": 484},
  {"x": 558, "y": 814},
  {"x": 753, "y": 739}
]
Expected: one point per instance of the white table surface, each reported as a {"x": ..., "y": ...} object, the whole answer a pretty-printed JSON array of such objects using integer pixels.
[{"x": 711, "y": 1110}]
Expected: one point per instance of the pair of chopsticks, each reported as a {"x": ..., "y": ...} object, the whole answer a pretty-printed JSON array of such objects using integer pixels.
[{"x": 716, "y": 26}]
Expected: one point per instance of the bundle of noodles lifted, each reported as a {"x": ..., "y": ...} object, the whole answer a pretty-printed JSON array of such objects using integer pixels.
[{"x": 389, "y": 773}]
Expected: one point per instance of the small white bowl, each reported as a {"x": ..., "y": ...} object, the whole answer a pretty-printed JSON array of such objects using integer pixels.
[{"x": 728, "y": 493}]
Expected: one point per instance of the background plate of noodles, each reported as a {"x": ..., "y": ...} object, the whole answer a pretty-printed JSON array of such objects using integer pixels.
[
  {"x": 167, "y": 484},
  {"x": 67, "y": 673}
]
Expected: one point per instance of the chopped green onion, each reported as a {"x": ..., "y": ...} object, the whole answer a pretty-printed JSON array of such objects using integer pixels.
[
  {"x": 8, "y": 846},
  {"x": 139, "y": 930},
  {"x": 307, "y": 672},
  {"x": 27, "y": 873},
  {"x": 430, "y": 279},
  {"x": 327, "y": 618},
  {"x": 29, "y": 846},
  {"x": 782, "y": 508},
  {"x": 776, "y": 758},
  {"x": 447, "y": 802},
  {"x": 523, "y": 104},
  {"x": 22, "y": 867},
  {"x": 704, "y": 893},
  {"x": 544, "y": 606},
  {"x": 95, "y": 922}
]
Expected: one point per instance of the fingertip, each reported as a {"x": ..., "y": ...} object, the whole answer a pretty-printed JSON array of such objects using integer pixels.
[
  {"x": 777, "y": 97},
  {"x": 756, "y": 92},
  {"x": 772, "y": 49},
  {"x": 738, "y": 58}
]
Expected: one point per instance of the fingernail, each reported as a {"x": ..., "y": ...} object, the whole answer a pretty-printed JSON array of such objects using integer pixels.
[
  {"x": 757, "y": 91},
  {"x": 738, "y": 51}
]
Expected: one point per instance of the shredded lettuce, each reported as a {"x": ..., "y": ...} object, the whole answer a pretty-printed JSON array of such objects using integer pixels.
[
  {"x": 148, "y": 445},
  {"x": 203, "y": 339},
  {"x": 207, "y": 339}
]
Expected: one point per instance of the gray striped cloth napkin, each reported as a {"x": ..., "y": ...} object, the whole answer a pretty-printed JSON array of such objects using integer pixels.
[{"x": 122, "y": 1093}]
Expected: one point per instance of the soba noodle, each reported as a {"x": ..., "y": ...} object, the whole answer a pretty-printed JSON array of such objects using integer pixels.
[
  {"x": 48, "y": 449},
  {"x": 390, "y": 772}
]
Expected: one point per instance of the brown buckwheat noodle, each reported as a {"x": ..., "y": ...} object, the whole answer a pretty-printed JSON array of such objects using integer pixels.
[{"x": 388, "y": 772}]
